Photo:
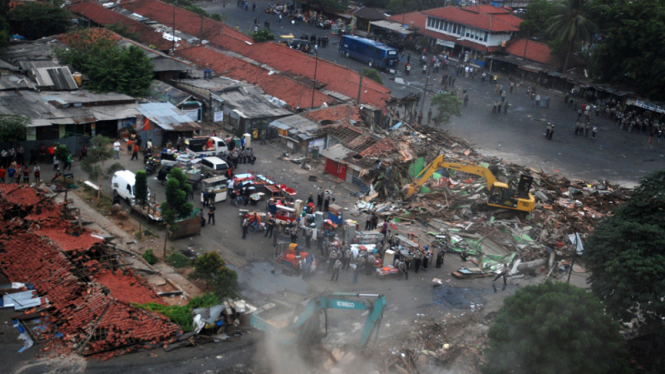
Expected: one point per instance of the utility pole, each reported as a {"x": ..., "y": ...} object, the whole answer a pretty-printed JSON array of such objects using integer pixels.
[
  {"x": 173, "y": 44},
  {"x": 422, "y": 105},
  {"x": 573, "y": 262},
  {"x": 360, "y": 86},
  {"x": 316, "y": 66},
  {"x": 201, "y": 28}
]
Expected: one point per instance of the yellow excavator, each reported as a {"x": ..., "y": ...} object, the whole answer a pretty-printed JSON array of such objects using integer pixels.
[{"x": 500, "y": 195}]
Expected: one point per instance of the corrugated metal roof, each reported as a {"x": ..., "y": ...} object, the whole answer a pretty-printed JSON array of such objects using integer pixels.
[
  {"x": 168, "y": 117},
  {"x": 56, "y": 78},
  {"x": 336, "y": 152}
]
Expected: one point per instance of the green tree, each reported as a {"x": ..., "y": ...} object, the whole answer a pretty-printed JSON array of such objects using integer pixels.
[
  {"x": 626, "y": 257},
  {"x": 212, "y": 267},
  {"x": 61, "y": 153},
  {"x": 373, "y": 75},
  {"x": 13, "y": 128},
  {"x": 99, "y": 151},
  {"x": 631, "y": 50},
  {"x": 536, "y": 18},
  {"x": 208, "y": 264},
  {"x": 176, "y": 195},
  {"x": 447, "y": 105},
  {"x": 572, "y": 24},
  {"x": 141, "y": 188},
  {"x": 338, "y": 5},
  {"x": 37, "y": 20},
  {"x": 109, "y": 66},
  {"x": 175, "y": 206},
  {"x": 149, "y": 256},
  {"x": 262, "y": 35},
  {"x": 122, "y": 29},
  {"x": 554, "y": 328}
]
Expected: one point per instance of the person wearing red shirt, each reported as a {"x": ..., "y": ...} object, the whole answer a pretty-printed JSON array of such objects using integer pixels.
[{"x": 3, "y": 172}]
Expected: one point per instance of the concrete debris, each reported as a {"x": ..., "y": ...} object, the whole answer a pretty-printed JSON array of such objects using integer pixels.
[{"x": 454, "y": 203}]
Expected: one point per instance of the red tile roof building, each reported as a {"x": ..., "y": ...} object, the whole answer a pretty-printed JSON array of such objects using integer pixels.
[
  {"x": 104, "y": 17},
  {"x": 334, "y": 77},
  {"x": 531, "y": 50},
  {"x": 185, "y": 21},
  {"x": 295, "y": 94},
  {"x": 482, "y": 28}
]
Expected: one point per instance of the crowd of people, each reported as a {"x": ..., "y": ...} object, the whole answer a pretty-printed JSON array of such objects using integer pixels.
[{"x": 15, "y": 168}]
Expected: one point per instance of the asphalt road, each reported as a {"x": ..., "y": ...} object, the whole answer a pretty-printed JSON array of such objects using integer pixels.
[{"x": 616, "y": 155}]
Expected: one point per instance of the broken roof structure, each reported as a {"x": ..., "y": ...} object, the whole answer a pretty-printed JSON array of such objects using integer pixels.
[
  {"x": 168, "y": 117},
  {"x": 86, "y": 294}
]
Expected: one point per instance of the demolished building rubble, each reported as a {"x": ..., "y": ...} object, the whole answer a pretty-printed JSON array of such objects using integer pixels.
[
  {"x": 88, "y": 291},
  {"x": 448, "y": 203}
]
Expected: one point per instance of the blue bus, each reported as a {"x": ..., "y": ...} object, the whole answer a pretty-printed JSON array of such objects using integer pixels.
[{"x": 368, "y": 51}]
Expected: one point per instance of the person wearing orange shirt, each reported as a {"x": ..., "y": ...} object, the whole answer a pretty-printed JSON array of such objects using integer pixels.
[{"x": 135, "y": 152}]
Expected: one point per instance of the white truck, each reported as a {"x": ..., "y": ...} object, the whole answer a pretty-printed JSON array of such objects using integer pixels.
[
  {"x": 199, "y": 147},
  {"x": 123, "y": 183}
]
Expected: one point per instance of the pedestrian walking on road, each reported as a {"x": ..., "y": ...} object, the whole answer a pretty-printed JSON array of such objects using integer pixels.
[
  {"x": 502, "y": 274},
  {"x": 593, "y": 132},
  {"x": 335, "y": 272},
  {"x": 211, "y": 213},
  {"x": 356, "y": 271},
  {"x": 245, "y": 227},
  {"x": 548, "y": 129},
  {"x": 441, "y": 253},
  {"x": 37, "y": 170},
  {"x": 402, "y": 270}
]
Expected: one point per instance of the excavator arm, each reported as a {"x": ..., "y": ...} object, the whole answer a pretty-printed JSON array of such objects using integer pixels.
[
  {"x": 346, "y": 301},
  {"x": 501, "y": 196},
  {"x": 437, "y": 163}
]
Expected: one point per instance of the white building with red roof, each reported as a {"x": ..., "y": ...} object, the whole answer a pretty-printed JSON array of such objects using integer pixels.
[{"x": 480, "y": 28}]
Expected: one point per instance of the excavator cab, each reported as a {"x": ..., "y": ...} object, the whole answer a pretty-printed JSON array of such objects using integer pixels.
[
  {"x": 524, "y": 186},
  {"x": 502, "y": 196}
]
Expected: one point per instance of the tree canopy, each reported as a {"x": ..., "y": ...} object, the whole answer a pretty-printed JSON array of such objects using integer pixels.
[
  {"x": 176, "y": 206},
  {"x": 571, "y": 25},
  {"x": 13, "y": 128},
  {"x": 372, "y": 74},
  {"x": 36, "y": 20},
  {"x": 339, "y": 5},
  {"x": 262, "y": 35},
  {"x": 554, "y": 328},
  {"x": 631, "y": 51},
  {"x": 626, "y": 256},
  {"x": 447, "y": 105},
  {"x": 109, "y": 66},
  {"x": 536, "y": 19},
  {"x": 99, "y": 151}
]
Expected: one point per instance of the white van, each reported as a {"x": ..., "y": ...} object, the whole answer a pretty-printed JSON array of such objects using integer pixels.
[
  {"x": 123, "y": 182},
  {"x": 213, "y": 166}
]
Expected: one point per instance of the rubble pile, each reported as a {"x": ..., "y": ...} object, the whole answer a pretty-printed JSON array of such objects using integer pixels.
[
  {"x": 84, "y": 294},
  {"x": 437, "y": 344},
  {"x": 454, "y": 202}
]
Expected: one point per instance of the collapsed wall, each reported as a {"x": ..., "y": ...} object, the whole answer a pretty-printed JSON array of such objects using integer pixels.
[{"x": 89, "y": 292}]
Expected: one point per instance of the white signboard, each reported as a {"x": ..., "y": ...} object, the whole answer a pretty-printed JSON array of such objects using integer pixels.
[{"x": 219, "y": 116}]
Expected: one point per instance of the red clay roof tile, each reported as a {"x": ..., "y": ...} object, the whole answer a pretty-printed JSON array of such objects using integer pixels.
[
  {"x": 531, "y": 50},
  {"x": 296, "y": 94}
]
